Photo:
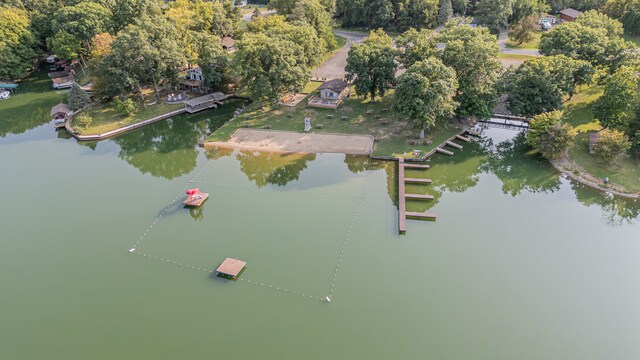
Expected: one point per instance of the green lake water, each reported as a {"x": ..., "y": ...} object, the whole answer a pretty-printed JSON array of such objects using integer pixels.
[{"x": 520, "y": 264}]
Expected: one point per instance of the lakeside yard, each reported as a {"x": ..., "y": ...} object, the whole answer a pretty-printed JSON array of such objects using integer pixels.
[
  {"x": 533, "y": 44},
  {"x": 625, "y": 172},
  {"x": 393, "y": 136},
  {"x": 105, "y": 117}
]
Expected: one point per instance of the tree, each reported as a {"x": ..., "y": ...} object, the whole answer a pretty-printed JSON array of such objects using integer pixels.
[
  {"x": 527, "y": 8},
  {"x": 415, "y": 46},
  {"x": 460, "y": 7},
  {"x": 597, "y": 20},
  {"x": 82, "y": 121},
  {"x": 212, "y": 59},
  {"x": 17, "y": 43},
  {"x": 126, "y": 12},
  {"x": 540, "y": 84},
  {"x": 78, "y": 98},
  {"x": 549, "y": 135},
  {"x": 446, "y": 11},
  {"x": 611, "y": 144},
  {"x": 494, "y": 14},
  {"x": 613, "y": 106},
  {"x": 582, "y": 42},
  {"x": 416, "y": 14},
  {"x": 425, "y": 92},
  {"x": 371, "y": 65},
  {"x": 473, "y": 54},
  {"x": 66, "y": 46},
  {"x": 270, "y": 67},
  {"x": 124, "y": 106},
  {"x": 101, "y": 46},
  {"x": 84, "y": 21},
  {"x": 314, "y": 14},
  {"x": 522, "y": 31}
]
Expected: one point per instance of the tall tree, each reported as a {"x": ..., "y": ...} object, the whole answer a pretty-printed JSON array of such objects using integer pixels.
[
  {"x": 597, "y": 20},
  {"x": 445, "y": 12},
  {"x": 17, "y": 43},
  {"x": 270, "y": 67},
  {"x": 494, "y": 14},
  {"x": 314, "y": 14},
  {"x": 78, "y": 98},
  {"x": 371, "y": 65},
  {"x": 415, "y": 46},
  {"x": 613, "y": 107},
  {"x": 549, "y": 135},
  {"x": 425, "y": 93},
  {"x": 540, "y": 84},
  {"x": 473, "y": 54}
]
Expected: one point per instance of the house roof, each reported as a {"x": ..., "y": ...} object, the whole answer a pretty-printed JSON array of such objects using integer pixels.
[
  {"x": 337, "y": 85},
  {"x": 227, "y": 41},
  {"x": 573, "y": 13},
  {"x": 60, "y": 108},
  {"x": 62, "y": 80},
  {"x": 216, "y": 96}
]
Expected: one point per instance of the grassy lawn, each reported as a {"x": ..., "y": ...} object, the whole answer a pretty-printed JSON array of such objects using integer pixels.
[
  {"x": 311, "y": 87},
  {"x": 533, "y": 44},
  {"x": 625, "y": 172},
  {"x": 251, "y": 8},
  {"x": 392, "y": 136},
  {"x": 515, "y": 57},
  {"x": 105, "y": 117},
  {"x": 633, "y": 39}
]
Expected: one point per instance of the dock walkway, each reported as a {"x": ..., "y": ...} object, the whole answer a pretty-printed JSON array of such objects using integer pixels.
[{"x": 403, "y": 214}]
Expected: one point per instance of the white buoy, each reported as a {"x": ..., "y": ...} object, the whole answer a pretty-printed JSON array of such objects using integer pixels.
[
  {"x": 132, "y": 250},
  {"x": 327, "y": 299}
]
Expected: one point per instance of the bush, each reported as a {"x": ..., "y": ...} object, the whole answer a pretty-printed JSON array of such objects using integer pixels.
[
  {"x": 611, "y": 145},
  {"x": 83, "y": 120},
  {"x": 549, "y": 135},
  {"x": 635, "y": 143},
  {"x": 125, "y": 107}
]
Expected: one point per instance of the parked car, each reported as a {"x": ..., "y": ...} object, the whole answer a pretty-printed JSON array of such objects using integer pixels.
[{"x": 545, "y": 24}]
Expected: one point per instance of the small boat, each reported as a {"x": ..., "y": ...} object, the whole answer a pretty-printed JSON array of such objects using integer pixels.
[{"x": 4, "y": 94}]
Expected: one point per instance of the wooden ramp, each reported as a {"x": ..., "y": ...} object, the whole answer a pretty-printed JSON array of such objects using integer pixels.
[
  {"x": 453, "y": 145},
  {"x": 420, "y": 215},
  {"x": 418, "y": 197},
  {"x": 403, "y": 196},
  {"x": 416, "y": 166},
  {"x": 443, "y": 151},
  {"x": 417, "y": 181}
]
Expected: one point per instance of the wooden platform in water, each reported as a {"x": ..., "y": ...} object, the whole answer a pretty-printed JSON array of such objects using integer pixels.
[
  {"x": 418, "y": 197},
  {"x": 463, "y": 138},
  {"x": 417, "y": 181},
  {"x": 443, "y": 151},
  {"x": 453, "y": 145},
  {"x": 196, "y": 200},
  {"x": 420, "y": 215},
  {"x": 416, "y": 166},
  {"x": 402, "y": 208}
]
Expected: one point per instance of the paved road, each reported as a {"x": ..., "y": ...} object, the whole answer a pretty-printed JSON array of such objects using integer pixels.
[{"x": 333, "y": 68}]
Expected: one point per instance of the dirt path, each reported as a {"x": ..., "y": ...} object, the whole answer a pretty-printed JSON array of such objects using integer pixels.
[{"x": 286, "y": 141}]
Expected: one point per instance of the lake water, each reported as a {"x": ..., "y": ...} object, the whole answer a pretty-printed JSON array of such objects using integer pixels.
[{"x": 521, "y": 263}]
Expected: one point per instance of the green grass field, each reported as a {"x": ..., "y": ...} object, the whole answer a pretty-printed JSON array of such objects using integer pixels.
[
  {"x": 393, "y": 136},
  {"x": 106, "y": 119},
  {"x": 533, "y": 44}
]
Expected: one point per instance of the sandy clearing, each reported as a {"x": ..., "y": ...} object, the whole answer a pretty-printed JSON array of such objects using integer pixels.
[{"x": 286, "y": 141}]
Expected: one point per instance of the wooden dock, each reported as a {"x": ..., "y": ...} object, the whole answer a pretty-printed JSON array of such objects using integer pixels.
[
  {"x": 453, "y": 145},
  {"x": 443, "y": 151},
  {"x": 403, "y": 196}
]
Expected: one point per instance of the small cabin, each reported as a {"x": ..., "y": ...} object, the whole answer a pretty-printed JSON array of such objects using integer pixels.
[
  {"x": 228, "y": 43},
  {"x": 333, "y": 89},
  {"x": 569, "y": 14}
]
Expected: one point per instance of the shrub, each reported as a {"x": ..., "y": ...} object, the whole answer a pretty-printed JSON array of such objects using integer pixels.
[
  {"x": 611, "y": 145},
  {"x": 83, "y": 120},
  {"x": 125, "y": 107},
  {"x": 549, "y": 135}
]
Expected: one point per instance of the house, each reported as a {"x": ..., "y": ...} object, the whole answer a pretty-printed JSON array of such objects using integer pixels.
[
  {"x": 62, "y": 82},
  {"x": 195, "y": 74},
  {"x": 569, "y": 14},
  {"x": 332, "y": 92},
  {"x": 228, "y": 43},
  {"x": 193, "y": 80}
]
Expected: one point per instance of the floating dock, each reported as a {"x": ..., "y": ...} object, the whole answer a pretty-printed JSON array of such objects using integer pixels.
[
  {"x": 403, "y": 196},
  {"x": 231, "y": 267}
]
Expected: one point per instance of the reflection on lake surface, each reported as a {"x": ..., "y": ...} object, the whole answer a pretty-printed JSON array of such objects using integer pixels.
[{"x": 550, "y": 267}]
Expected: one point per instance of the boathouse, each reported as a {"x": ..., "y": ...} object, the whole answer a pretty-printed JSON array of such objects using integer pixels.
[
  {"x": 231, "y": 267},
  {"x": 205, "y": 102},
  {"x": 62, "y": 82}
]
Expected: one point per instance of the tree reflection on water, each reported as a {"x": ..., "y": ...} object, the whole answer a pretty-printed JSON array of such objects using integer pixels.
[{"x": 265, "y": 168}]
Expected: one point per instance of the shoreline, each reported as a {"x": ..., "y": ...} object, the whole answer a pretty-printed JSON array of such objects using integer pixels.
[{"x": 569, "y": 169}]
